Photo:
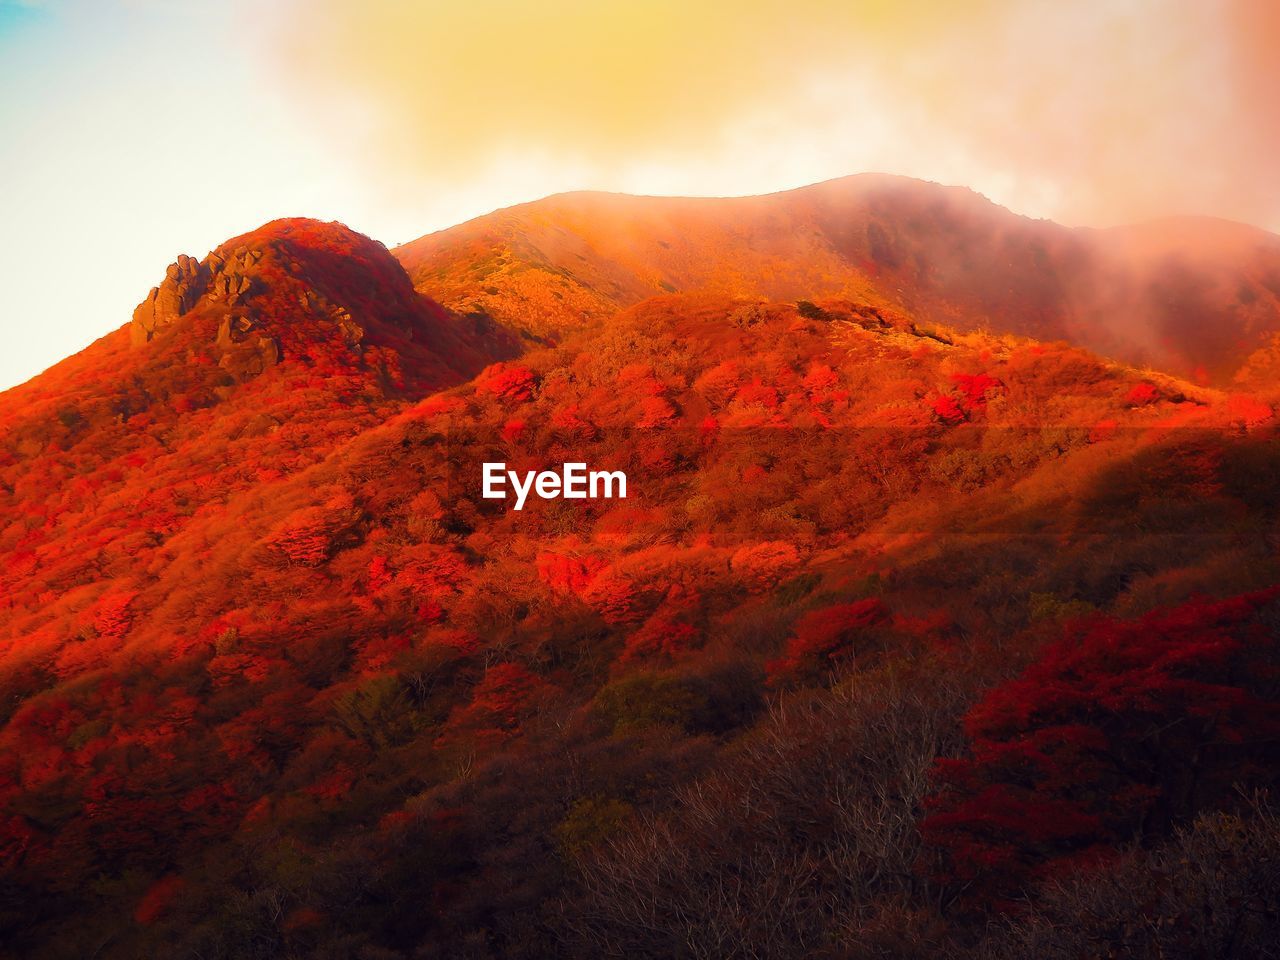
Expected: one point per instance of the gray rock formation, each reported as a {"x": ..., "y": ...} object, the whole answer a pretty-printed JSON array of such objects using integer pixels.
[
  {"x": 185, "y": 282},
  {"x": 223, "y": 278}
]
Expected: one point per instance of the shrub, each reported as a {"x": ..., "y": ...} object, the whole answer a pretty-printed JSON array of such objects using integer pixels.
[
  {"x": 947, "y": 409},
  {"x": 1119, "y": 731},
  {"x": 1142, "y": 395},
  {"x": 508, "y": 381},
  {"x": 647, "y": 699},
  {"x": 976, "y": 389},
  {"x": 822, "y": 639},
  {"x": 811, "y": 311},
  {"x": 377, "y": 712},
  {"x": 790, "y": 846},
  {"x": 590, "y": 821},
  {"x": 501, "y": 702},
  {"x": 1213, "y": 890},
  {"x": 762, "y": 565},
  {"x": 309, "y": 536}
]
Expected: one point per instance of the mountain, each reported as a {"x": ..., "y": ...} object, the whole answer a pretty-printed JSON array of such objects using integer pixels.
[
  {"x": 1196, "y": 297},
  {"x": 237, "y": 369},
  {"x": 900, "y": 626}
]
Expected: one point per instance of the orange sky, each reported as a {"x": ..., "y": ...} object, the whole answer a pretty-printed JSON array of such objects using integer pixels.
[
  {"x": 1094, "y": 111},
  {"x": 132, "y": 130}
]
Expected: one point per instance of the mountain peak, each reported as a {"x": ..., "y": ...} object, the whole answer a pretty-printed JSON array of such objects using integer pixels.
[
  {"x": 297, "y": 290},
  {"x": 328, "y": 258}
]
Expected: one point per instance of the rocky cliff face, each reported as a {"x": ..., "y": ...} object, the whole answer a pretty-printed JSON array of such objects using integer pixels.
[
  {"x": 313, "y": 294},
  {"x": 224, "y": 277},
  {"x": 185, "y": 281},
  {"x": 225, "y": 281}
]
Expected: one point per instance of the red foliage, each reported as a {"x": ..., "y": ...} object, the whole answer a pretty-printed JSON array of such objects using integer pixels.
[
  {"x": 613, "y": 596},
  {"x": 379, "y": 573},
  {"x": 947, "y": 409},
  {"x": 501, "y": 700},
  {"x": 720, "y": 382},
  {"x": 762, "y": 565},
  {"x": 969, "y": 396},
  {"x": 16, "y": 838},
  {"x": 655, "y": 412},
  {"x": 820, "y": 381},
  {"x": 432, "y": 570},
  {"x": 757, "y": 393},
  {"x": 508, "y": 381},
  {"x": 822, "y": 639},
  {"x": 504, "y": 693},
  {"x": 662, "y": 636},
  {"x": 1247, "y": 412},
  {"x": 567, "y": 574},
  {"x": 1142, "y": 395},
  {"x": 112, "y": 617},
  {"x": 307, "y": 537},
  {"x": 570, "y": 420},
  {"x": 976, "y": 389},
  {"x": 514, "y": 430},
  {"x": 430, "y": 612},
  {"x": 1115, "y": 733},
  {"x": 335, "y": 784},
  {"x": 227, "y": 548},
  {"x": 1102, "y": 430}
]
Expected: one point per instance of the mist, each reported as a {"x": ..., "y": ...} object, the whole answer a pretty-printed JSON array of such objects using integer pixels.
[{"x": 1091, "y": 113}]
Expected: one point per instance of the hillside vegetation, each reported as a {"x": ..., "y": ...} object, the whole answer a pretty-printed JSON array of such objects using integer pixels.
[{"x": 909, "y": 639}]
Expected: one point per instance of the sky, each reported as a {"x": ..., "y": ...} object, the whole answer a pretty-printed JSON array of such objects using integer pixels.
[{"x": 135, "y": 130}]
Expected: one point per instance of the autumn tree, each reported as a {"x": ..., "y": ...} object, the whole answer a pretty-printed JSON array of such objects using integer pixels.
[{"x": 1119, "y": 731}]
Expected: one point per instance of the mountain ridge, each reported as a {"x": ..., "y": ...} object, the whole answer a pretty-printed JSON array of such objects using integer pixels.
[{"x": 945, "y": 253}]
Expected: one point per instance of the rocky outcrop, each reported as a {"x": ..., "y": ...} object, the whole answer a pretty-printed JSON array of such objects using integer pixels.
[
  {"x": 185, "y": 282},
  {"x": 231, "y": 281},
  {"x": 225, "y": 282},
  {"x": 246, "y": 348},
  {"x": 223, "y": 277},
  {"x": 304, "y": 294},
  {"x": 332, "y": 316}
]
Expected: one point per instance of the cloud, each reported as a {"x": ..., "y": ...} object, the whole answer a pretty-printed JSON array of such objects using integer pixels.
[{"x": 1100, "y": 110}]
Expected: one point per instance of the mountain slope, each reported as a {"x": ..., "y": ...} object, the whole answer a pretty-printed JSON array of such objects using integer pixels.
[
  {"x": 278, "y": 681},
  {"x": 1196, "y": 298},
  {"x": 360, "y": 704},
  {"x": 244, "y": 367}
]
